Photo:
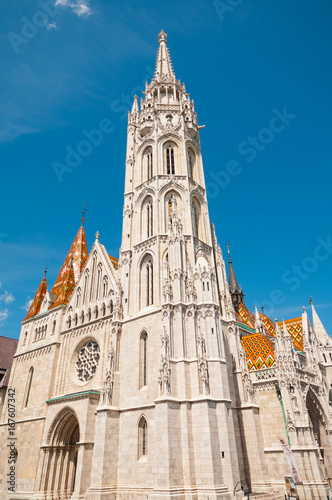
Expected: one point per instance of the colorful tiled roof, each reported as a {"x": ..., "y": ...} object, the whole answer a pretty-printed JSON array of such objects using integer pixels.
[
  {"x": 269, "y": 324},
  {"x": 246, "y": 316},
  {"x": 114, "y": 261},
  {"x": 38, "y": 299},
  {"x": 259, "y": 351},
  {"x": 69, "y": 274},
  {"x": 294, "y": 327},
  {"x": 65, "y": 289}
]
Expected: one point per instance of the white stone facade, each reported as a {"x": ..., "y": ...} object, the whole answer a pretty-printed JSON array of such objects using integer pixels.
[{"x": 139, "y": 387}]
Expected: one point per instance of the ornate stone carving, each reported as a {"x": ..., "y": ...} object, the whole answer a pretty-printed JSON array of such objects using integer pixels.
[
  {"x": 202, "y": 363},
  {"x": 290, "y": 424},
  {"x": 164, "y": 370},
  {"x": 107, "y": 390},
  {"x": 87, "y": 361}
]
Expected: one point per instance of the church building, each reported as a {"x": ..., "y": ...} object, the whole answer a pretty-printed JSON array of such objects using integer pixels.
[{"x": 147, "y": 376}]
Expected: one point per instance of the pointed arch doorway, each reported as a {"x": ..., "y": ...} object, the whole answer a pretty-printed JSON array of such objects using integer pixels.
[
  {"x": 319, "y": 424},
  {"x": 60, "y": 457}
]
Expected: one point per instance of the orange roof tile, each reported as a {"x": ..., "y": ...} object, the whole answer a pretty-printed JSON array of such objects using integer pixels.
[
  {"x": 38, "y": 299},
  {"x": 294, "y": 327},
  {"x": 66, "y": 289},
  {"x": 259, "y": 351},
  {"x": 114, "y": 261},
  {"x": 269, "y": 324},
  {"x": 68, "y": 275},
  {"x": 246, "y": 316}
]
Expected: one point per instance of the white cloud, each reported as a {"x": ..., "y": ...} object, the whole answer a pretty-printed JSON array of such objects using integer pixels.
[
  {"x": 7, "y": 297},
  {"x": 27, "y": 305},
  {"x": 49, "y": 26},
  {"x": 80, "y": 7},
  {"x": 3, "y": 316}
]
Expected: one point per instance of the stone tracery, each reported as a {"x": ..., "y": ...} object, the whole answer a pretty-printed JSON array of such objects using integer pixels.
[{"x": 87, "y": 361}]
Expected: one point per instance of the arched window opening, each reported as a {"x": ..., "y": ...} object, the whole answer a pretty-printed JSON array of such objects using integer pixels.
[
  {"x": 78, "y": 296},
  {"x": 103, "y": 308},
  {"x": 149, "y": 215},
  {"x": 330, "y": 357},
  {"x": 96, "y": 312},
  {"x": 92, "y": 277},
  {"x": 191, "y": 163},
  {"x": 98, "y": 282},
  {"x": 25, "y": 338},
  {"x": 147, "y": 218},
  {"x": 69, "y": 322},
  {"x": 323, "y": 357},
  {"x": 85, "y": 285},
  {"x": 105, "y": 287},
  {"x": 195, "y": 219},
  {"x": 75, "y": 320},
  {"x": 171, "y": 207},
  {"x": 28, "y": 387},
  {"x": 170, "y": 162},
  {"x": 142, "y": 438},
  {"x": 147, "y": 282},
  {"x": 82, "y": 317},
  {"x": 53, "y": 327},
  {"x": 89, "y": 315},
  {"x": 143, "y": 360},
  {"x": 148, "y": 164}
]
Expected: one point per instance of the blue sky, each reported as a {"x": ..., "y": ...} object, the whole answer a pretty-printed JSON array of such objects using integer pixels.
[{"x": 246, "y": 64}]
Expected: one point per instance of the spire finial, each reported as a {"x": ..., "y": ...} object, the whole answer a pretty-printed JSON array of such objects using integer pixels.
[
  {"x": 97, "y": 236},
  {"x": 262, "y": 308},
  {"x": 83, "y": 214},
  {"x": 227, "y": 244},
  {"x": 45, "y": 272},
  {"x": 310, "y": 301},
  {"x": 164, "y": 68},
  {"x": 162, "y": 37}
]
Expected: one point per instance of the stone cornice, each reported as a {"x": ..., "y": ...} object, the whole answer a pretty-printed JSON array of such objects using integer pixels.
[{"x": 72, "y": 397}]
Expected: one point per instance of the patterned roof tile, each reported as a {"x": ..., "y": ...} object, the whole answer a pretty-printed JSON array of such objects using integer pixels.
[
  {"x": 259, "y": 351},
  {"x": 69, "y": 274},
  {"x": 38, "y": 299},
  {"x": 294, "y": 327}
]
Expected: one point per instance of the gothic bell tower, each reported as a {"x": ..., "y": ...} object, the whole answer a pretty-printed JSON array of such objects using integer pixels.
[{"x": 170, "y": 397}]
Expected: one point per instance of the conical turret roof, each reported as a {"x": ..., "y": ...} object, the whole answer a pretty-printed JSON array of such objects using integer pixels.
[
  {"x": 38, "y": 299},
  {"x": 71, "y": 269}
]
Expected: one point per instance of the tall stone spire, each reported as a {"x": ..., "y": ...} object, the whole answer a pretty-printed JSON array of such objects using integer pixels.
[
  {"x": 320, "y": 331},
  {"x": 135, "y": 109},
  {"x": 164, "y": 68},
  {"x": 234, "y": 288}
]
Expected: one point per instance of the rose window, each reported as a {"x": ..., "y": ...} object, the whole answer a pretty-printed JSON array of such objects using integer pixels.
[{"x": 87, "y": 361}]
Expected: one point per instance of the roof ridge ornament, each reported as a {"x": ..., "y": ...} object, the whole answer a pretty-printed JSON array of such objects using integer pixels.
[
  {"x": 162, "y": 37},
  {"x": 83, "y": 214}
]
